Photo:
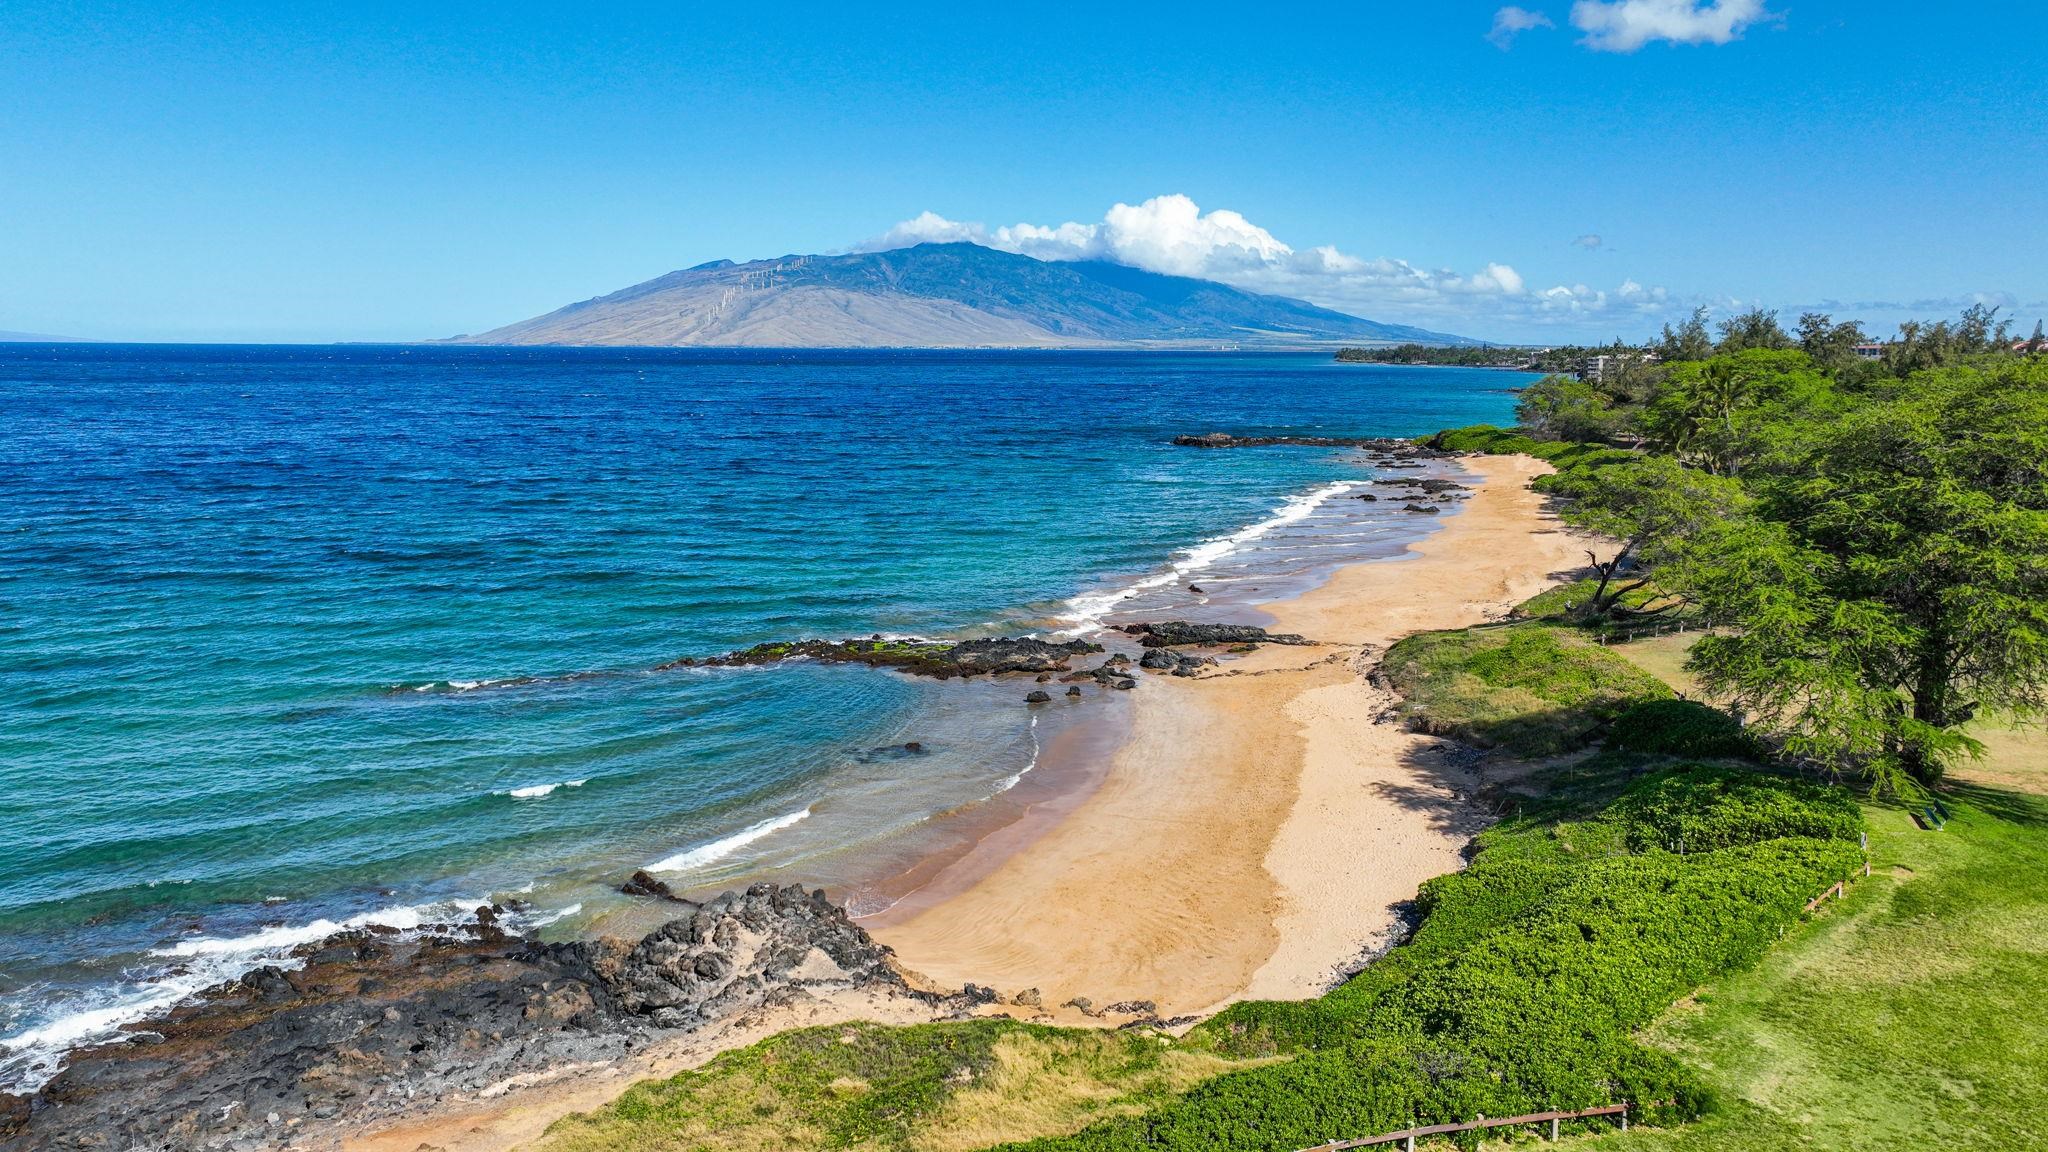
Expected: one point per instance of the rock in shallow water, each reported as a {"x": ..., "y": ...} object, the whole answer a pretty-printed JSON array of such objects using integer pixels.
[
  {"x": 938, "y": 659},
  {"x": 1171, "y": 633}
]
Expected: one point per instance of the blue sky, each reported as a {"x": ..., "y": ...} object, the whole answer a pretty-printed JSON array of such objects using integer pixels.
[{"x": 273, "y": 172}]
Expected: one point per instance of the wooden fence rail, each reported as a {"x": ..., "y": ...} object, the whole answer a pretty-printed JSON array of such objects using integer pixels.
[{"x": 1407, "y": 1136}]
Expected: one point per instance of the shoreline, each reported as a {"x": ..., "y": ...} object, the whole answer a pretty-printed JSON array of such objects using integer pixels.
[
  {"x": 1310, "y": 916},
  {"x": 1130, "y": 898},
  {"x": 1288, "y": 745},
  {"x": 1183, "y": 860}
]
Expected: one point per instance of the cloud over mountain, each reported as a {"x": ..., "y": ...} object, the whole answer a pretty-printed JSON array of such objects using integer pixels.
[{"x": 1171, "y": 234}]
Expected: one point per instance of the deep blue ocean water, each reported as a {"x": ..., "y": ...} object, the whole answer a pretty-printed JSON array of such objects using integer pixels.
[{"x": 291, "y": 635}]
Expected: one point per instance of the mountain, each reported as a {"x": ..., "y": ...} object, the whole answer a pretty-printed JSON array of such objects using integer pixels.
[
  {"x": 37, "y": 338},
  {"x": 942, "y": 295}
]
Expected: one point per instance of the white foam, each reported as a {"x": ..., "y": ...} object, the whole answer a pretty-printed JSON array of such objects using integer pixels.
[
  {"x": 1085, "y": 613},
  {"x": 533, "y": 791},
  {"x": 29, "y": 1058},
  {"x": 1017, "y": 777},
  {"x": 718, "y": 850}
]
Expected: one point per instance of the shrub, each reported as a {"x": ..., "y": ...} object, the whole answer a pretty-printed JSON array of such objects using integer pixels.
[
  {"x": 1529, "y": 971},
  {"x": 1680, "y": 728},
  {"x": 1706, "y": 808}
]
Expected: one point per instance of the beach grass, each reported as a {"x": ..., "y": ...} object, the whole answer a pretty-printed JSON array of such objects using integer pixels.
[
  {"x": 946, "y": 1087},
  {"x": 1528, "y": 689}
]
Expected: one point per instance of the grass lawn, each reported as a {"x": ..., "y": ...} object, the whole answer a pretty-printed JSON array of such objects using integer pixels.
[
  {"x": 1916, "y": 1014},
  {"x": 1664, "y": 658},
  {"x": 1910, "y": 1017}
]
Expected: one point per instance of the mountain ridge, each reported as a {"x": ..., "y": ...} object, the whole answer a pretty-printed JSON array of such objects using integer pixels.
[{"x": 942, "y": 295}]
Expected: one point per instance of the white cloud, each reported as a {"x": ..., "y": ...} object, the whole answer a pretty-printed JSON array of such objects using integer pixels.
[
  {"x": 1591, "y": 241},
  {"x": 1626, "y": 25},
  {"x": 1511, "y": 21},
  {"x": 1171, "y": 234}
]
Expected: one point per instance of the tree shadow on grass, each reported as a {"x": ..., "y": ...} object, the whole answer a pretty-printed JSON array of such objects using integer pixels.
[{"x": 2012, "y": 807}]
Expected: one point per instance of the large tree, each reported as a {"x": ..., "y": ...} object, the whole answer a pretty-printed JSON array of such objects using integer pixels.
[
  {"x": 1653, "y": 507},
  {"x": 1893, "y": 584}
]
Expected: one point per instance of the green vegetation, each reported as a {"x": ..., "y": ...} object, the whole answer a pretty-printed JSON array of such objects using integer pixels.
[
  {"x": 1871, "y": 535},
  {"x": 1568, "y": 602},
  {"x": 1529, "y": 689},
  {"x": 1527, "y": 359},
  {"x": 928, "y": 1087},
  {"x": 1909, "y": 1018},
  {"x": 1572, "y": 928},
  {"x": 1680, "y": 728}
]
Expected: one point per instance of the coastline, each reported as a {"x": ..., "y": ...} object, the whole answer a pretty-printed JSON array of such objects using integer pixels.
[
  {"x": 1188, "y": 864},
  {"x": 1206, "y": 862},
  {"x": 1210, "y": 864}
]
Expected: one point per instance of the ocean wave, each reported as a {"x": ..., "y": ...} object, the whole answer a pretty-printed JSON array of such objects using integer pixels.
[
  {"x": 535, "y": 791},
  {"x": 1017, "y": 777},
  {"x": 717, "y": 850},
  {"x": 1085, "y": 613},
  {"x": 181, "y": 971}
]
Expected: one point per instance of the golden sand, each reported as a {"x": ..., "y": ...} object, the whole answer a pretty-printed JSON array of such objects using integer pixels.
[{"x": 1253, "y": 833}]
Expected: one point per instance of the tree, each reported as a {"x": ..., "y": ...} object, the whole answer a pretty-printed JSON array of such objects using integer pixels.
[
  {"x": 1689, "y": 342},
  {"x": 1721, "y": 414},
  {"x": 1893, "y": 583},
  {"x": 1921, "y": 347},
  {"x": 1655, "y": 507},
  {"x": 1564, "y": 408},
  {"x": 2037, "y": 343},
  {"x": 1831, "y": 346},
  {"x": 1755, "y": 328}
]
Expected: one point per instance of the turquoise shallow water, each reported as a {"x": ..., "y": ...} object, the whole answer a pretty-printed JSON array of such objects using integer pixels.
[{"x": 291, "y": 635}]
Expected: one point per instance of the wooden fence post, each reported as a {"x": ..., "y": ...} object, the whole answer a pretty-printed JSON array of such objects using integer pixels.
[
  {"x": 1553, "y": 1129},
  {"x": 1624, "y": 1115}
]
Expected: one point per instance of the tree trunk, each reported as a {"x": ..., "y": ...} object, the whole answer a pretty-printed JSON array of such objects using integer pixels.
[{"x": 1931, "y": 698}]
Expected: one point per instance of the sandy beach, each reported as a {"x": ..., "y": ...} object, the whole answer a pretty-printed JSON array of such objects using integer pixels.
[
  {"x": 1252, "y": 835},
  {"x": 1250, "y": 838}
]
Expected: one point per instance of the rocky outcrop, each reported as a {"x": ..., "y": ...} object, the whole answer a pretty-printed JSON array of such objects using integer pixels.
[
  {"x": 940, "y": 659},
  {"x": 1174, "y": 663},
  {"x": 1173, "y": 633},
  {"x": 374, "y": 1021},
  {"x": 1390, "y": 448},
  {"x": 1431, "y": 485}
]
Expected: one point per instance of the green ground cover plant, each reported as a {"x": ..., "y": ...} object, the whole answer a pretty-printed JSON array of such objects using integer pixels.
[
  {"x": 1520, "y": 990},
  {"x": 927, "y": 1087},
  {"x": 1529, "y": 689},
  {"x": 1685, "y": 728}
]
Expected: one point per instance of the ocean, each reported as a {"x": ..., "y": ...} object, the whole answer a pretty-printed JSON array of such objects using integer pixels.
[{"x": 293, "y": 638}]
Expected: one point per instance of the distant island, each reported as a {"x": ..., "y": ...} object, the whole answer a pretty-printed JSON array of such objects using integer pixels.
[{"x": 945, "y": 296}]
